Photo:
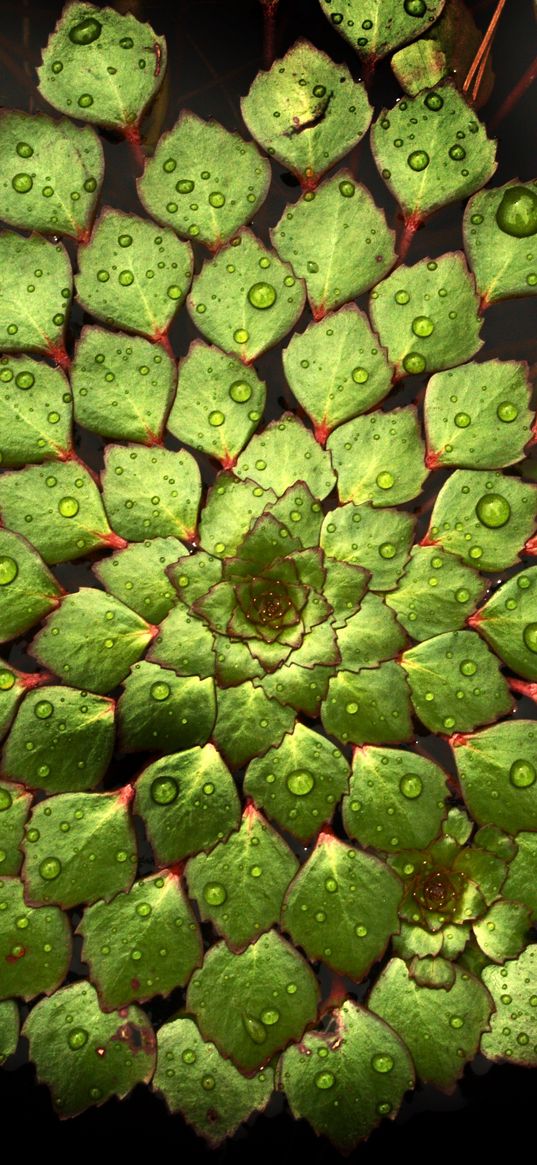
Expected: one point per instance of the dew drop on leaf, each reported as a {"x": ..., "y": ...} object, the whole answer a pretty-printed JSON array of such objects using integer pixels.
[
  {"x": 517, "y": 212},
  {"x": 8, "y": 570},
  {"x": 493, "y": 511},
  {"x": 164, "y": 790}
]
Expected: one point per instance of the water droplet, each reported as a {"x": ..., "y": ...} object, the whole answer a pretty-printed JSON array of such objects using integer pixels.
[
  {"x": 255, "y": 871},
  {"x": 43, "y": 709},
  {"x": 493, "y": 511},
  {"x": 401, "y": 297},
  {"x": 415, "y": 7},
  {"x": 6, "y": 800},
  {"x": 325, "y": 1080},
  {"x": 434, "y": 101},
  {"x": 462, "y": 595},
  {"x": 468, "y": 667},
  {"x": 77, "y": 1038},
  {"x": 86, "y": 31},
  {"x": 7, "y": 679},
  {"x": 382, "y": 1063},
  {"x": 462, "y": 420},
  {"x": 270, "y": 1016},
  {"x": 351, "y": 708},
  {"x": 262, "y": 295},
  {"x": 418, "y": 160},
  {"x": 90, "y": 185},
  {"x": 387, "y": 550},
  {"x": 360, "y": 375},
  {"x": 529, "y": 636},
  {"x": 347, "y": 188},
  {"x": 517, "y": 212},
  {"x": 164, "y": 790},
  {"x": 254, "y": 1028},
  {"x": 22, "y": 183},
  {"x": 50, "y": 869},
  {"x": 457, "y": 153},
  {"x": 300, "y": 782},
  {"x": 216, "y": 418},
  {"x": 125, "y": 240},
  {"x": 385, "y": 480},
  {"x": 507, "y": 411},
  {"x": 159, "y": 691},
  {"x": 214, "y": 893},
  {"x": 8, "y": 570},
  {"x": 143, "y": 909},
  {"x": 68, "y": 507},
  {"x": 24, "y": 149},
  {"x": 240, "y": 391},
  {"x": 126, "y": 278},
  {"x": 331, "y": 885},
  {"x": 189, "y": 1056},
  {"x": 414, "y": 363},
  {"x": 411, "y": 786},
  {"x": 456, "y": 1021},
  {"x": 422, "y": 326},
  {"x": 208, "y": 1082},
  {"x": 174, "y": 292},
  {"x": 241, "y": 336},
  {"x": 85, "y": 100},
  {"x": 217, "y": 199}
]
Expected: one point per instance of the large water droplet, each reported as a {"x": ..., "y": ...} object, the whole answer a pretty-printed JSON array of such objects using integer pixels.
[
  {"x": 6, "y": 800},
  {"x": 8, "y": 570},
  {"x": 240, "y": 391},
  {"x": 217, "y": 199},
  {"x": 415, "y": 7},
  {"x": 43, "y": 709},
  {"x": 493, "y": 511},
  {"x": 77, "y": 1038},
  {"x": 517, "y": 212},
  {"x": 414, "y": 363},
  {"x": 300, "y": 782},
  {"x": 254, "y": 1028},
  {"x": 262, "y": 295},
  {"x": 385, "y": 480},
  {"x": 325, "y": 1080},
  {"x": 50, "y": 869},
  {"x": 214, "y": 893},
  {"x": 422, "y": 326},
  {"x": 529, "y": 636},
  {"x": 507, "y": 411},
  {"x": 418, "y": 160},
  {"x": 216, "y": 418},
  {"x": 159, "y": 691},
  {"x": 382, "y": 1062},
  {"x": 86, "y": 31},
  {"x": 411, "y": 785},
  {"x": 164, "y": 790},
  {"x": 68, "y": 507},
  {"x": 270, "y": 1016}
]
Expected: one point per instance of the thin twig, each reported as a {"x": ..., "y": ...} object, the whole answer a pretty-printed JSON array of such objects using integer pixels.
[
  {"x": 515, "y": 95},
  {"x": 477, "y": 69}
]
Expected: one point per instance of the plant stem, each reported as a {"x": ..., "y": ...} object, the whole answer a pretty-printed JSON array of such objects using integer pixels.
[
  {"x": 269, "y": 28},
  {"x": 412, "y": 224},
  {"x": 132, "y": 136},
  {"x": 515, "y": 95},
  {"x": 477, "y": 68}
]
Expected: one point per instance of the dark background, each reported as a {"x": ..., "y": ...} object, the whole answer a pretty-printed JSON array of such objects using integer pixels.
[{"x": 215, "y": 48}]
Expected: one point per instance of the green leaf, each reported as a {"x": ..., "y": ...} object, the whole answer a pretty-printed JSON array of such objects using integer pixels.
[
  {"x": 27, "y": 588},
  {"x": 57, "y": 191},
  {"x": 265, "y": 298},
  {"x": 298, "y": 783},
  {"x": 446, "y": 158},
  {"x": 62, "y": 740},
  {"x": 138, "y": 576},
  {"x": 12, "y": 686},
  {"x": 15, "y": 803},
  {"x": 92, "y": 640},
  {"x": 521, "y": 881},
  {"x": 86, "y": 1055},
  {"x": 386, "y": 25},
  {"x": 342, "y": 907},
  {"x": 155, "y": 923},
  {"x": 161, "y": 711},
  {"x": 132, "y": 246},
  {"x": 231, "y": 508},
  {"x": 414, "y": 310},
  {"x": 371, "y": 706},
  {"x": 447, "y": 49},
  {"x": 432, "y": 972},
  {"x": 248, "y": 722},
  {"x": 420, "y": 65},
  {"x": 396, "y": 799},
  {"x": 336, "y": 369},
  {"x": 483, "y": 518},
  {"x": 38, "y": 418},
  {"x": 503, "y": 930},
  {"x": 35, "y": 295},
  {"x": 9, "y": 1029},
  {"x": 143, "y": 380},
  {"x": 240, "y": 885},
  {"x": 193, "y": 575},
  {"x": 151, "y": 492},
  {"x": 286, "y": 452},
  {"x": 208, "y": 1091},
  {"x": 188, "y": 802},
  {"x": 499, "y": 234},
  {"x": 299, "y": 111},
  {"x": 218, "y": 403},
  {"x": 513, "y": 1024},
  {"x": 371, "y": 636},
  {"x": 456, "y": 683},
  {"x": 357, "y": 1055},
  {"x": 198, "y": 160},
  {"x": 271, "y": 995},
  {"x": 58, "y": 506},
  {"x": 436, "y": 593},
  {"x": 441, "y": 1028},
  {"x": 477, "y": 416},
  {"x": 393, "y": 470},
  {"x": 378, "y": 540},
  {"x": 102, "y": 67},
  {"x": 185, "y": 644},
  {"x": 95, "y": 857},
  {"x": 35, "y": 945},
  {"x": 507, "y": 622},
  {"x": 297, "y": 505},
  {"x": 339, "y": 263},
  {"x": 498, "y": 774},
  {"x": 302, "y": 688}
]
